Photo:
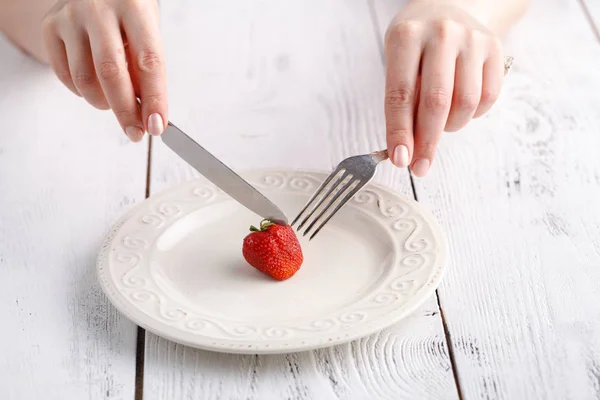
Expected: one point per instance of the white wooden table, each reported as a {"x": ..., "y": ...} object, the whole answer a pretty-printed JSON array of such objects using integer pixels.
[{"x": 517, "y": 192}]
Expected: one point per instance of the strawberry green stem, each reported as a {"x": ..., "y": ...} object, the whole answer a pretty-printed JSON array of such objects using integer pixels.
[{"x": 264, "y": 225}]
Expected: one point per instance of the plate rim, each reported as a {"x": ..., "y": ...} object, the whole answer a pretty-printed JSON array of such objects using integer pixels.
[{"x": 137, "y": 317}]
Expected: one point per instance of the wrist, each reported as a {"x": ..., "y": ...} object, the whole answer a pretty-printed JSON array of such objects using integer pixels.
[{"x": 439, "y": 8}]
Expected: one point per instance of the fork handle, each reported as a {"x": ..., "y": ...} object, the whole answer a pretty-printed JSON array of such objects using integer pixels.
[{"x": 380, "y": 155}]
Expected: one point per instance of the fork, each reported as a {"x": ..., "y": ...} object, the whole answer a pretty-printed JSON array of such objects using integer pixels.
[{"x": 350, "y": 176}]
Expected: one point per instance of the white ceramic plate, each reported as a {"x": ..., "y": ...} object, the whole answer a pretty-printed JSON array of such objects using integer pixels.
[{"x": 174, "y": 266}]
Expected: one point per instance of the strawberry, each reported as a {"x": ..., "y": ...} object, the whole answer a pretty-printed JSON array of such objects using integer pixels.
[{"x": 273, "y": 249}]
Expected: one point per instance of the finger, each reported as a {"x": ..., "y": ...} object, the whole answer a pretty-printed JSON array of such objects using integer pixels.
[
  {"x": 111, "y": 65},
  {"x": 403, "y": 54},
  {"x": 57, "y": 55},
  {"x": 141, "y": 28},
  {"x": 132, "y": 70},
  {"x": 81, "y": 65},
  {"x": 493, "y": 72},
  {"x": 467, "y": 91},
  {"x": 437, "y": 81}
]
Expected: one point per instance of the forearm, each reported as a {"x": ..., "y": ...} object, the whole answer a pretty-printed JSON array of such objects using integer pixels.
[
  {"x": 497, "y": 15},
  {"x": 20, "y": 21}
]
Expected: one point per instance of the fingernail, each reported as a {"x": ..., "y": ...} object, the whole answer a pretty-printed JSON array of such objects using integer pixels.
[
  {"x": 134, "y": 133},
  {"x": 155, "y": 124},
  {"x": 401, "y": 156},
  {"x": 420, "y": 167}
]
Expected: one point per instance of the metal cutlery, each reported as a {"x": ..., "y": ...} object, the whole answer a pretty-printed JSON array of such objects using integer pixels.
[
  {"x": 221, "y": 175},
  {"x": 350, "y": 176}
]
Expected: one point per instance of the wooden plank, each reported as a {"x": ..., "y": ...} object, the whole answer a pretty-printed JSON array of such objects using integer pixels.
[
  {"x": 67, "y": 173},
  {"x": 517, "y": 193},
  {"x": 272, "y": 84}
]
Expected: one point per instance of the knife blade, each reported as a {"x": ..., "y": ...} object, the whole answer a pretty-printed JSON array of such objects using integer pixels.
[{"x": 221, "y": 175}]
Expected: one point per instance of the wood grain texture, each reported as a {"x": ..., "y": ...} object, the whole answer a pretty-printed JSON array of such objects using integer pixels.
[
  {"x": 287, "y": 84},
  {"x": 66, "y": 174},
  {"x": 517, "y": 193},
  {"x": 406, "y": 361}
]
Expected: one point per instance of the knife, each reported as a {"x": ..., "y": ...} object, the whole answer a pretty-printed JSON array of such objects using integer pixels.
[{"x": 221, "y": 175}]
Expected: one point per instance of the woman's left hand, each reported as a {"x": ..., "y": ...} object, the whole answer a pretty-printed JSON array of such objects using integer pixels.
[{"x": 443, "y": 68}]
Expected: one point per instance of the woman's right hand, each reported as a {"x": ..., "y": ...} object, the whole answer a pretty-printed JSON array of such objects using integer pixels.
[{"x": 109, "y": 52}]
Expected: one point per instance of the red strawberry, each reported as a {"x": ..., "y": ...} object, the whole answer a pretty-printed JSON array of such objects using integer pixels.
[{"x": 273, "y": 249}]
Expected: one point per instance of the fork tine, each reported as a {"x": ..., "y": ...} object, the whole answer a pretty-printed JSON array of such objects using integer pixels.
[
  {"x": 331, "y": 203},
  {"x": 316, "y": 194},
  {"x": 334, "y": 186},
  {"x": 337, "y": 208}
]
